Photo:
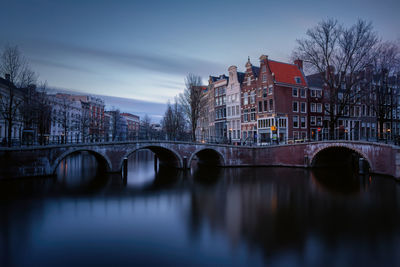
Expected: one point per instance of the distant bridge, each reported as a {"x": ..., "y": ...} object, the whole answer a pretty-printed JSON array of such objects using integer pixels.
[{"x": 43, "y": 160}]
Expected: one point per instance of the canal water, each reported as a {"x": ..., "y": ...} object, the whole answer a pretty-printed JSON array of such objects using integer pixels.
[{"x": 202, "y": 217}]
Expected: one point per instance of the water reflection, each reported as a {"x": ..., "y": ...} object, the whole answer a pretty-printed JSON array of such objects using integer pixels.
[{"x": 206, "y": 216}]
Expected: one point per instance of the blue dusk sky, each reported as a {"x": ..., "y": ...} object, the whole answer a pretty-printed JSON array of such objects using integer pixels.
[{"x": 144, "y": 49}]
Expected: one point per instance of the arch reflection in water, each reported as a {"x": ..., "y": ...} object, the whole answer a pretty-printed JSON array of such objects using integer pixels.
[
  {"x": 79, "y": 170},
  {"x": 145, "y": 170},
  {"x": 343, "y": 181}
]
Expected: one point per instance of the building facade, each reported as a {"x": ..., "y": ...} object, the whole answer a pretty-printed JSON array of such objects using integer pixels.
[
  {"x": 248, "y": 104},
  {"x": 233, "y": 106},
  {"x": 133, "y": 123}
]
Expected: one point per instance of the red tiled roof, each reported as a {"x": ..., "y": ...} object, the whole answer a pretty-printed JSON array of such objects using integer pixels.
[{"x": 285, "y": 73}]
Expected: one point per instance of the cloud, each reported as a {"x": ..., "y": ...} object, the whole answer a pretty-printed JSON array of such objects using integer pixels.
[
  {"x": 153, "y": 61},
  {"x": 50, "y": 63}
]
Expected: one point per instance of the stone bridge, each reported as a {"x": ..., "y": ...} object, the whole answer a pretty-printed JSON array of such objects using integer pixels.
[{"x": 43, "y": 160}]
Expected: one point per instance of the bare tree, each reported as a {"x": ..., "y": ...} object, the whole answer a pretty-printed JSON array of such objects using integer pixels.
[
  {"x": 10, "y": 108},
  {"x": 174, "y": 122},
  {"x": 43, "y": 112},
  {"x": 339, "y": 54},
  {"x": 85, "y": 121},
  {"x": 64, "y": 116},
  {"x": 14, "y": 64},
  {"x": 15, "y": 68},
  {"x": 145, "y": 125},
  {"x": 116, "y": 127},
  {"x": 382, "y": 78},
  {"x": 190, "y": 101}
]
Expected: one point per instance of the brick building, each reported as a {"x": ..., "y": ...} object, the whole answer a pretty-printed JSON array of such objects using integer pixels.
[
  {"x": 281, "y": 102},
  {"x": 248, "y": 103},
  {"x": 133, "y": 122}
]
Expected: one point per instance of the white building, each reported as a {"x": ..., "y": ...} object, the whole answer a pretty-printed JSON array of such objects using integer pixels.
[
  {"x": 233, "y": 104},
  {"x": 66, "y": 119},
  {"x": 7, "y": 89}
]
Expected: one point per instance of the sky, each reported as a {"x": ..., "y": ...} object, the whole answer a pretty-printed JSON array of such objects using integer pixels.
[{"x": 144, "y": 49}]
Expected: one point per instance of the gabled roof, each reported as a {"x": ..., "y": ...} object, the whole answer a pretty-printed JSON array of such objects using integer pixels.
[
  {"x": 256, "y": 70},
  {"x": 240, "y": 76},
  {"x": 286, "y": 73},
  {"x": 315, "y": 80}
]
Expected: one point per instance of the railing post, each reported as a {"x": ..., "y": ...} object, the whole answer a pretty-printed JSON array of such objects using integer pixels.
[
  {"x": 361, "y": 166},
  {"x": 125, "y": 168},
  {"x": 155, "y": 163},
  {"x": 185, "y": 163}
]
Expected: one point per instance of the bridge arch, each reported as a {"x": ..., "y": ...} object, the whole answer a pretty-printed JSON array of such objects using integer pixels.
[
  {"x": 330, "y": 151},
  {"x": 166, "y": 156},
  {"x": 208, "y": 156},
  {"x": 101, "y": 158}
]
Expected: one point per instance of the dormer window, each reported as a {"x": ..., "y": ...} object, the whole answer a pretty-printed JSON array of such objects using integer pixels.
[{"x": 297, "y": 79}]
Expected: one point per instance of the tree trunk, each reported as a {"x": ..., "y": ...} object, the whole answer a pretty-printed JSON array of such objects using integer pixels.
[
  {"x": 9, "y": 130},
  {"x": 331, "y": 129}
]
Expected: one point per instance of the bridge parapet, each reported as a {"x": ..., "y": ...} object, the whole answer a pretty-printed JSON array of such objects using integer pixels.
[{"x": 43, "y": 160}]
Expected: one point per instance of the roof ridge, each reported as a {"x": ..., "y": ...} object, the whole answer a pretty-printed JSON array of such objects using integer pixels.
[{"x": 282, "y": 62}]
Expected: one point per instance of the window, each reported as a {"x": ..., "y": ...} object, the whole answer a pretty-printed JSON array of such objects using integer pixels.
[
  {"x": 303, "y": 122},
  {"x": 295, "y": 106},
  {"x": 237, "y": 110},
  {"x": 233, "y": 110},
  {"x": 327, "y": 108},
  {"x": 270, "y": 90},
  {"x": 265, "y": 92},
  {"x": 313, "y": 107},
  {"x": 303, "y": 107},
  {"x": 249, "y": 81},
  {"x": 319, "y": 107},
  {"x": 245, "y": 99},
  {"x": 313, "y": 93},
  {"x": 312, "y": 120},
  {"x": 265, "y": 105},
  {"x": 302, "y": 92},
  {"x": 297, "y": 79},
  {"x": 253, "y": 97},
  {"x": 253, "y": 114},
  {"x": 260, "y": 106},
  {"x": 246, "y": 115},
  {"x": 295, "y": 92},
  {"x": 271, "y": 104},
  {"x": 319, "y": 121},
  {"x": 229, "y": 111},
  {"x": 264, "y": 78},
  {"x": 296, "y": 121}
]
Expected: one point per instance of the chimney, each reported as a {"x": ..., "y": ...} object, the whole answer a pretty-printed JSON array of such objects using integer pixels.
[
  {"x": 7, "y": 76},
  {"x": 299, "y": 63}
]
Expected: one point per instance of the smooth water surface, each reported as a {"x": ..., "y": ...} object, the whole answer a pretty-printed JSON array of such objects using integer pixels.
[{"x": 206, "y": 216}]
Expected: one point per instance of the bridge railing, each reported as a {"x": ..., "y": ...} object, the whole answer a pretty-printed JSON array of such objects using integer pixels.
[{"x": 199, "y": 139}]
